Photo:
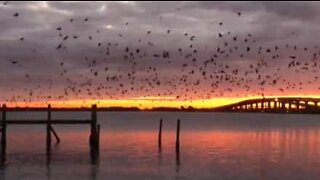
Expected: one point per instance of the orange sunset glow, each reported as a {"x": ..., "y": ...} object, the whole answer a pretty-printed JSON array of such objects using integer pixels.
[
  {"x": 168, "y": 59},
  {"x": 159, "y": 90},
  {"x": 146, "y": 102}
]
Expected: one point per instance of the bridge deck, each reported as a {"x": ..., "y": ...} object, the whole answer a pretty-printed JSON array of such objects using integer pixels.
[{"x": 280, "y": 104}]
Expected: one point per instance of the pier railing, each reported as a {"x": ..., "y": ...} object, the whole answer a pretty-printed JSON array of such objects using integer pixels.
[
  {"x": 94, "y": 137},
  {"x": 48, "y": 122}
]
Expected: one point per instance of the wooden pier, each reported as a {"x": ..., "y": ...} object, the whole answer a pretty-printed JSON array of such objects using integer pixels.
[{"x": 94, "y": 137}]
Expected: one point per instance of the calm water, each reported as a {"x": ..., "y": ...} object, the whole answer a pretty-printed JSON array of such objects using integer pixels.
[{"x": 212, "y": 146}]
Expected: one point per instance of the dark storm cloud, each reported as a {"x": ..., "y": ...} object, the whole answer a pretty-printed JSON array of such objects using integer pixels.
[
  {"x": 270, "y": 22},
  {"x": 298, "y": 10}
]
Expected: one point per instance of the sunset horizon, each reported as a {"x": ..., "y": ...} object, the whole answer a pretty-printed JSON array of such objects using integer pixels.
[
  {"x": 147, "y": 103},
  {"x": 159, "y": 90}
]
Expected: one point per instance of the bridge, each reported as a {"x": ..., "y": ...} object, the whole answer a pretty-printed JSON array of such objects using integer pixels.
[{"x": 275, "y": 105}]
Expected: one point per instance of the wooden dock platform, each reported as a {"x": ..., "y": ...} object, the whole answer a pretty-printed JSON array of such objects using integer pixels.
[
  {"x": 94, "y": 137},
  {"x": 60, "y": 121}
]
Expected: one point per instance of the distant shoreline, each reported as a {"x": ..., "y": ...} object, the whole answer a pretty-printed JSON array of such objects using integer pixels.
[
  {"x": 134, "y": 109},
  {"x": 280, "y": 106}
]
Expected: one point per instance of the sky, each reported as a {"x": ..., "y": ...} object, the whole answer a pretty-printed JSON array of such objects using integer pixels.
[{"x": 151, "y": 54}]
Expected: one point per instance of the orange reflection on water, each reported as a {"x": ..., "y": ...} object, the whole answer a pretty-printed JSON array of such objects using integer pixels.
[
  {"x": 258, "y": 152},
  {"x": 287, "y": 140}
]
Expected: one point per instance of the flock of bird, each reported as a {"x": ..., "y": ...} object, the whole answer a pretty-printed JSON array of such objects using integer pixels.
[{"x": 235, "y": 64}]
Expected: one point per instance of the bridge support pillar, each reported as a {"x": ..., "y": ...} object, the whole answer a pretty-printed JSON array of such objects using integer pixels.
[
  {"x": 306, "y": 105},
  {"x": 290, "y": 105},
  {"x": 273, "y": 104},
  {"x": 297, "y": 105}
]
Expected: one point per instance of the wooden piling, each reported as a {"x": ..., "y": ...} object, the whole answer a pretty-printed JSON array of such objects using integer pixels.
[
  {"x": 178, "y": 146},
  {"x": 4, "y": 132},
  {"x": 49, "y": 129},
  {"x": 160, "y": 134},
  {"x": 178, "y": 136},
  {"x": 94, "y": 136},
  {"x": 94, "y": 147},
  {"x": 93, "y": 133}
]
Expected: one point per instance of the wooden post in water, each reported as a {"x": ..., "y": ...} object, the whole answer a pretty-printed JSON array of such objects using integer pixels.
[
  {"x": 178, "y": 136},
  {"x": 178, "y": 145},
  {"x": 160, "y": 133},
  {"x": 93, "y": 134},
  {"x": 49, "y": 129},
  {"x": 4, "y": 133}
]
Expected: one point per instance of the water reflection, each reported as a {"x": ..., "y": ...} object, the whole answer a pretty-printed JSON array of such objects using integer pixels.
[
  {"x": 2, "y": 171},
  {"x": 94, "y": 171},
  {"x": 159, "y": 153},
  {"x": 48, "y": 169},
  {"x": 269, "y": 153},
  {"x": 177, "y": 158},
  {"x": 94, "y": 155}
]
